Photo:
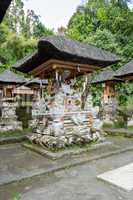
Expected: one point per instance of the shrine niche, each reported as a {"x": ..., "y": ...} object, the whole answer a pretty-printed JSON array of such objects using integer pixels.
[{"x": 60, "y": 120}]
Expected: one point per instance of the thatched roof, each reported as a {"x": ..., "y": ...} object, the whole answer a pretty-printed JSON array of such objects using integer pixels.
[
  {"x": 106, "y": 75},
  {"x": 4, "y": 4},
  {"x": 65, "y": 49},
  {"x": 37, "y": 81},
  {"x": 10, "y": 77},
  {"x": 126, "y": 70}
]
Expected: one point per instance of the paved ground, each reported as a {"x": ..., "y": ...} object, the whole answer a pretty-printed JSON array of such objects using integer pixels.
[
  {"x": 17, "y": 162},
  {"x": 75, "y": 183}
]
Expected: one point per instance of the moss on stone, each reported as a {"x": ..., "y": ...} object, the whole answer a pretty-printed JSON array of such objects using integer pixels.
[{"x": 14, "y": 133}]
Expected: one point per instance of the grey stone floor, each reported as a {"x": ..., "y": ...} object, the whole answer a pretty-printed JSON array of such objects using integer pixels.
[
  {"x": 76, "y": 183},
  {"x": 17, "y": 162}
]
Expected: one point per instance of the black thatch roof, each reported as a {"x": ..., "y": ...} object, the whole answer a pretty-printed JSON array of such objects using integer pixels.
[
  {"x": 4, "y": 4},
  {"x": 105, "y": 76},
  {"x": 10, "y": 77},
  {"x": 37, "y": 81},
  {"x": 126, "y": 70},
  {"x": 62, "y": 48}
]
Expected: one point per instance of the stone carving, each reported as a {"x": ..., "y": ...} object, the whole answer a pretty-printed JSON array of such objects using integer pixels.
[{"x": 60, "y": 122}]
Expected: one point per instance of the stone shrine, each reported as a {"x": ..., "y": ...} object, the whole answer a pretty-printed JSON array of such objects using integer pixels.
[{"x": 63, "y": 123}]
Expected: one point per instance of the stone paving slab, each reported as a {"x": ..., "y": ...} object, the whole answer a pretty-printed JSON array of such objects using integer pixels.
[{"x": 121, "y": 177}]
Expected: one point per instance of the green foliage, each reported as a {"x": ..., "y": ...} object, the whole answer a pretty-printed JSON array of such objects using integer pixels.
[
  {"x": 104, "y": 39},
  {"x": 19, "y": 33},
  {"x": 103, "y": 21},
  {"x": 97, "y": 93},
  {"x": 16, "y": 198},
  {"x": 122, "y": 115},
  {"x": 107, "y": 125},
  {"x": 125, "y": 91}
]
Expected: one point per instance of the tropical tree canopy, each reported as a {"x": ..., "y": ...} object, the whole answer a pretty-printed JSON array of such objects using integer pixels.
[{"x": 19, "y": 33}]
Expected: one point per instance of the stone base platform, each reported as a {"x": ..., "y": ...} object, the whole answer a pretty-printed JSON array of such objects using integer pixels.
[{"x": 75, "y": 150}]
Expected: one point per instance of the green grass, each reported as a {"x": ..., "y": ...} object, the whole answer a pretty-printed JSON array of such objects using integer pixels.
[
  {"x": 16, "y": 198},
  {"x": 106, "y": 125},
  {"x": 116, "y": 126},
  {"x": 14, "y": 133}
]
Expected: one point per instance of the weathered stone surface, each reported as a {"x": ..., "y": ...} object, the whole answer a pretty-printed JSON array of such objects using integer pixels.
[
  {"x": 63, "y": 123},
  {"x": 59, "y": 142},
  {"x": 8, "y": 121},
  {"x": 121, "y": 177},
  {"x": 130, "y": 123}
]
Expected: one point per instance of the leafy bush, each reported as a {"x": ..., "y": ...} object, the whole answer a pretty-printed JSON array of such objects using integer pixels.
[
  {"x": 16, "y": 198},
  {"x": 106, "y": 125}
]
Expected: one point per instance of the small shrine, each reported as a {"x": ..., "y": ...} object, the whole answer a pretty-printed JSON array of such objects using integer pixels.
[
  {"x": 8, "y": 82},
  {"x": 109, "y": 102},
  {"x": 62, "y": 121}
]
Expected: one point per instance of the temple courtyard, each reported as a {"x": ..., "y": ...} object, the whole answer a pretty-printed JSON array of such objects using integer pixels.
[{"x": 26, "y": 175}]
